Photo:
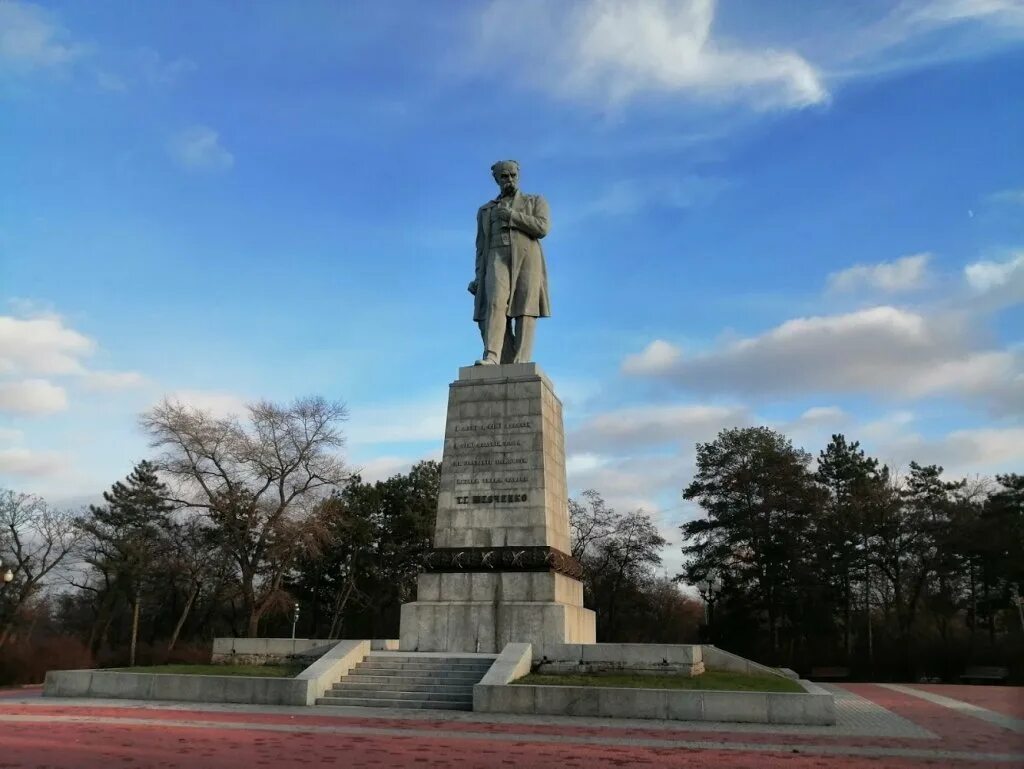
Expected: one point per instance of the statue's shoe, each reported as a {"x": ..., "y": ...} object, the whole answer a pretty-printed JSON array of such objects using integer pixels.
[{"x": 486, "y": 362}]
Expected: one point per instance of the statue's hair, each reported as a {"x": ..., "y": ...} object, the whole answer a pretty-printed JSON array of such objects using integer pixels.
[{"x": 497, "y": 167}]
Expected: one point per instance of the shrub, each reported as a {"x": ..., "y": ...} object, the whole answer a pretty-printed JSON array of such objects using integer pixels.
[{"x": 22, "y": 662}]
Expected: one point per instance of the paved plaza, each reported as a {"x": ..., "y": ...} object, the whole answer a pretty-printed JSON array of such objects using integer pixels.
[{"x": 879, "y": 725}]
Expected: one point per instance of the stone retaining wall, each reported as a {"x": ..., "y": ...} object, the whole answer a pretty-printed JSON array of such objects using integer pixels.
[
  {"x": 645, "y": 659},
  {"x": 497, "y": 693},
  {"x": 276, "y": 651},
  {"x": 250, "y": 690},
  {"x": 338, "y": 659},
  {"x": 811, "y": 707}
]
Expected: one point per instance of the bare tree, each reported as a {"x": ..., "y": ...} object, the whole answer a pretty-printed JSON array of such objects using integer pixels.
[
  {"x": 258, "y": 482},
  {"x": 193, "y": 557},
  {"x": 590, "y": 522},
  {"x": 35, "y": 539}
]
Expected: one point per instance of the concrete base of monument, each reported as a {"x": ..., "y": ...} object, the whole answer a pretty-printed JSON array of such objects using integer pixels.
[
  {"x": 497, "y": 692},
  {"x": 487, "y": 626},
  {"x": 335, "y": 659}
]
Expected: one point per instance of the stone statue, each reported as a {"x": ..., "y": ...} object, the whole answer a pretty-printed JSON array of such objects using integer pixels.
[{"x": 511, "y": 284}]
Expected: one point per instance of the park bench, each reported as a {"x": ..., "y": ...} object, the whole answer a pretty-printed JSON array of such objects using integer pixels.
[
  {"x": 985, "y": 673},
  {"x": 829, "y": 674}
]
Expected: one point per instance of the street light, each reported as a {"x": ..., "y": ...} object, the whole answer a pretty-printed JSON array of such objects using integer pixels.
[
  {"x": 295, "y": 620},
  {"x": 709, "y": 589},
  {"x": 8, "y": 576}
]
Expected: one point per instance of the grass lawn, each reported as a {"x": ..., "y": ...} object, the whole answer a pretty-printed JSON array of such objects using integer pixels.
[
  {"x": 264, "y": 671},
  {"x": 710, "y": 680}
]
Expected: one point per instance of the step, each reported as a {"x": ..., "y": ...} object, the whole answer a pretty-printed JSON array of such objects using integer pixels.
[
  {"x": 401, "y": 685},
  {"x": 432, "y": 656},
  {"x": 464, "y": 696},
  {"x": 424, "y": 675},
  {"x": 366, "y": 702},
  {"x": 398, "y": 665}
]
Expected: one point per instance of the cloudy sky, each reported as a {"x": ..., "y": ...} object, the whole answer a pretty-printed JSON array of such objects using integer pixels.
[{"x": 803, "y": 214}]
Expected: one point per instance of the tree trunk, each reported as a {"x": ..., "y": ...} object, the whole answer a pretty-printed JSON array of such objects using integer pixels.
[
  {"x": 184, "y": 615},
  {"x": 5, "y": 631},
  {"x": 846, "y": 615},
  {"x": 135, "y": 631},
  {"x": 867, "y": 612},
  {"x": 340, "y": 601},
  {"x": 253, "y": 626}
]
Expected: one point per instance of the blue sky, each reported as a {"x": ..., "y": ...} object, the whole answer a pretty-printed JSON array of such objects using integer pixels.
[{"x": 802, "y": 214}]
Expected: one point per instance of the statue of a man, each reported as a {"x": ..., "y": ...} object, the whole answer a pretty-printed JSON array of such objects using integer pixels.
[{"x": 511, "y": 284}]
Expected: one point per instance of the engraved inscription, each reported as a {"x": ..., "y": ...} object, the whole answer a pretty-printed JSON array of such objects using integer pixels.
[
  {"x": 488, "y": 462},
  {"x": 489, "y": 499},
  {"x": 486, "y": 444},
  {"x": 491, "y": 480},
  {"x": 520, "y": 425}
]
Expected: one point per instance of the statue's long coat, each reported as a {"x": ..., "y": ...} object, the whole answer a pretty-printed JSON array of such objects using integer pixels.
[{"x": 529, "y": 221}]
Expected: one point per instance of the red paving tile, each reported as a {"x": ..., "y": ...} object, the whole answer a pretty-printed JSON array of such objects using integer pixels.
[
  {"x": 681, "y": 732},
  {"x": 81, "y": 737},
  {"x": 84, "y": 746},
  {"x": 22, "y": 691},
  {"x": 1008, "y": 700},
  {"x": 956, "y": 731}
]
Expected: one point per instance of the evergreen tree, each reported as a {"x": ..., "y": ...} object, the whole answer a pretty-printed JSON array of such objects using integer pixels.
[
  {"x": 851, "y": 480},
  {"x": 126, "y": 536},
  {"x": 760, "y": 502},
  {"x": 376, "y": 537}
]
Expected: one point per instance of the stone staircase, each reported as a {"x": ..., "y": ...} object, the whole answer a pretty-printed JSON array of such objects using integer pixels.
[{"x": 411, "y": 680}]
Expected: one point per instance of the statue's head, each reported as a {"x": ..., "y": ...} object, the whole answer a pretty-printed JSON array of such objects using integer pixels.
[{"x": 506, "y": 174}]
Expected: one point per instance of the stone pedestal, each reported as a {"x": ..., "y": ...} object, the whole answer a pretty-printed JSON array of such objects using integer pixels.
[{"x": 500, "y": 570}]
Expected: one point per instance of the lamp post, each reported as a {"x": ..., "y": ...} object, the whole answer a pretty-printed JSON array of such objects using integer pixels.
[
  {"x": 295, "y": 620},
  {"x": 8, "y": 576},
  {"x": 709, "y": 589}
]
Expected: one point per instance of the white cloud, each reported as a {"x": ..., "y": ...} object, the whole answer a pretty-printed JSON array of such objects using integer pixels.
[
  {"x": 32, "y": 396},
  {"x": 154, "y": 69},
  {"x": 986, "y": 276},
  {"x": 382, "y": 468},
  {"x": 657, "y": 357},
  {"x": 9, "y": 435},
  {"x": 30, "y": 38},
  {"x": 941, "y": 12},
  {"x": 583, "y": 463},
  {"x": 653, "y": 425},
  {"x": 627, "y": 197},
  {"x": 963, "y": 452},
  {"x": 109, "y": 81},
  {"x": 44, "y": 346},
  {"x": 143, "y": 66},
  {"x": 104, "y": 381},
  {"x": 881, "y": 350},
  {"x": 422, "y": 419},
  {"x": 823, "y": 415},
  {"x": 908, "y": 273},
  {"x": 997, "y": 284},
  {"x": 628, "y": 483},
  {"x": 613, "y": 50},
  {"x": 219, "y": 404},
  {"x": 199, "y": 148},
  {"x": 41, "y": 345},
  {"x": 905, "y": 37},
  {"x": 24, "y": 462},
  {"x": 1013, "y": 196},
  {"x": 887, "y": 428}
]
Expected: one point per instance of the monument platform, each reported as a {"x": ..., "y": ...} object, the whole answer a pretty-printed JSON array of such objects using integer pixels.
[{"x": 501, "y": 570}]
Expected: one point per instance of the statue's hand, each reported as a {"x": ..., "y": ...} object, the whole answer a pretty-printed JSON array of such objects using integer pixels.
[
  {"x": 504, "y": 213},
  {"x": 472, "y": 287}
]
